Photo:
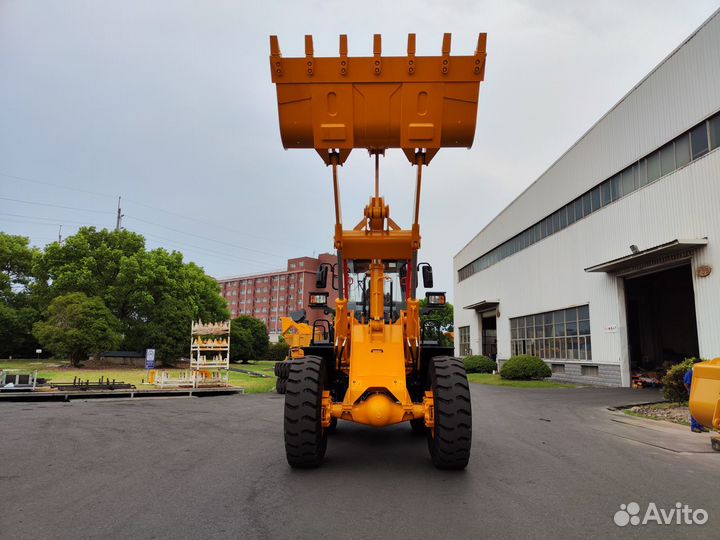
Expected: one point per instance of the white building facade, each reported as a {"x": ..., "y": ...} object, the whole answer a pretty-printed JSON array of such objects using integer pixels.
[{"x": 608, "y": 265}]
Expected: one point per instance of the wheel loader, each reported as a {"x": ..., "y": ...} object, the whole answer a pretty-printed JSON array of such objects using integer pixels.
[
  {"x": 377, "y": 368},
  {"x": 298, "y": 335},
  {"x": 705, "y": 397}
]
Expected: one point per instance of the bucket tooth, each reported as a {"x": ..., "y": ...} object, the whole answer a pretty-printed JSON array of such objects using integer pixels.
[
  {"x": 343, "y": 55},
  {"x": 411, "y": 53},
  {"x": 377, "y": 53},
  {"x": 309, "y": 55}
]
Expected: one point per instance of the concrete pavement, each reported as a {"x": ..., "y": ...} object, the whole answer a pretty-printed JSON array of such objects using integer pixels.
[{"x": 551, "y": 463}]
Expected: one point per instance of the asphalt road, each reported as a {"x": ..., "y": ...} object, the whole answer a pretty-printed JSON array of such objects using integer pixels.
[{"x": 545, "y": 464}]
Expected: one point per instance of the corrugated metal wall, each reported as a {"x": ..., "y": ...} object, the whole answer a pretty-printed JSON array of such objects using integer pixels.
[
  {"x": 681, "y": 91},
  {"x": 685, "y": 204}
]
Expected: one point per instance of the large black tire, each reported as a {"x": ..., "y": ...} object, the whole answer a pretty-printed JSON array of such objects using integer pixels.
[
  {"x": 281, "y": 385},
  {"x": 450, "y": 444},
  {"x": 282, "y": 369},
  {"x": 305, "y": 438}
]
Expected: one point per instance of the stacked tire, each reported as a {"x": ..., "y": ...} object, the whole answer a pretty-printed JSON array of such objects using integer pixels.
[{"x": 282, "y": 372}]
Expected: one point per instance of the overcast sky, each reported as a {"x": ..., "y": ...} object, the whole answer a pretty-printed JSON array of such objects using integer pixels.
[{"x": 169, "y": 104}]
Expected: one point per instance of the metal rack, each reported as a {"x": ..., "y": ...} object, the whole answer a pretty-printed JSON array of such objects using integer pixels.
[{"x": 210, "y": 353}]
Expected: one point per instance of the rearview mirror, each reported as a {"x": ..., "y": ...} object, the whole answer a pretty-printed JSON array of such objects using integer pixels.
[
  {"x": 427, "y": 275},
  {"x": 321, "y": 277}
]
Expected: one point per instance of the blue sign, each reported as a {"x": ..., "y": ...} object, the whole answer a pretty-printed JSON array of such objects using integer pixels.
[{"x": 149, "y": 358}]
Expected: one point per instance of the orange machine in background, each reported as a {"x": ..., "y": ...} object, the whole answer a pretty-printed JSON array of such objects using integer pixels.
[
  {"x": 705, "y": 393},
  {"x": 376, "y": 368}
]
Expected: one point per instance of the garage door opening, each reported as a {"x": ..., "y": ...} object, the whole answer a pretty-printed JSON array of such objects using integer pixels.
[
  {"x": 489, "y": 335},
  {"x": 662, "y": 329}
]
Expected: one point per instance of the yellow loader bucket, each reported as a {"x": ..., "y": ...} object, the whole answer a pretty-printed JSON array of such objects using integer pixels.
[
  {"x": 705, "y": 393},
  {"x": 411, "y": 102}
]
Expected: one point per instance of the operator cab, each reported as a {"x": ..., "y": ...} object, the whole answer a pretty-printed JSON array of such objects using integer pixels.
[{"x": 359, "y": 289}]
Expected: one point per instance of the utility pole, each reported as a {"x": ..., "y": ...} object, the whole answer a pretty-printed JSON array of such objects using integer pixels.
[
  {"x": 60, "y": 235},
  {"x": 120, "y": 215}
]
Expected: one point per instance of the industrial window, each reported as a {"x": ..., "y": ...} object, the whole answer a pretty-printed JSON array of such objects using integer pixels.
[
  {"x": 571, "y": 213},
  {"x": 595, "y": 198},
  {"x": 606, "y": 192},
  {"x": 653, "y": 167},
  {"x": 642, "y": 173},
  {"x": 699, "y": 140},
  {"x": 685, "y": 148},
  {"x": 667, "y": 159},
  {"x": 714, "y": 125},
  {"x": 615, "y": 187},
  {"x": 562, "y": 334},
  {"x": 465, "y": 341},
  {"x": 682, "y": 150}
]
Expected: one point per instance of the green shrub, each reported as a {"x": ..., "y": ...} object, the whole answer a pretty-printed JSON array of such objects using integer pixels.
[
  {"x": 278, "y": 351},
  {"x": 525, "y": 367},
  {"x": 674, "y": 389},
  {"x": 479, "y": 364}
]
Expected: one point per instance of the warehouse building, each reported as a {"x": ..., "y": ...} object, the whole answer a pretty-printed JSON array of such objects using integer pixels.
[{"x": 608, "y": 265}]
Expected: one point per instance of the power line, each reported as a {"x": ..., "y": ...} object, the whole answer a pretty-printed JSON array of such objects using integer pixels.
[
  {"x": 54, "y": 220},
  {"x": 210, "y": 251},
  {"x": 119, "y": 220},
  {"x": 37, "y": 220},
  {"x": 43, "y": 182},
  {"x": 167, "y": 241},
  {"x": 211, "y": 224},
  {"x": 205, "y": 237},
  {"x": 193, "y": 218},
  {"x": 56, "y": 206}
]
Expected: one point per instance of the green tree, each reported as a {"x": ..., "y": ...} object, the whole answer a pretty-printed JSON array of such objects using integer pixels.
[
  {"x": 16, "y": 260},
  {"x": 248, "y": 339},
  {"x": 154, "y": 294},
  {"x": 17, "y": 311},
  {"x": 442, "y": 316},
  {"x": 90, "y": 262},
  {"x": 437, "y": 322},
  {"x": 78, "y": 326}
]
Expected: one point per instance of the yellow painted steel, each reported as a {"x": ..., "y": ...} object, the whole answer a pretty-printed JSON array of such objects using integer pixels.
[
  {"x": 377, "y": 394},
  {"x": 298, "y": 335},
  {"x": 377, "y": 102},
  {"x": 705, "y": 393},
  {"x": 334, "y": 105}
]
